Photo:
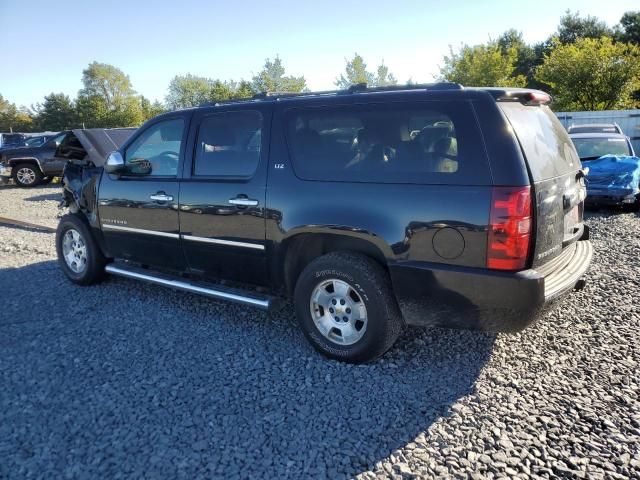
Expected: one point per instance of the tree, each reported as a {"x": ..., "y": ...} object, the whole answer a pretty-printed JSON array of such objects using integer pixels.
[
  {"x": 13, "y": 118},
  {"x": 107, "y": 98},
  {"x": 108, "y": 82},
  {"x": 573, "y": 27},
  {"x": 526, "y": 55},
  {"x": 483, "y": 66},
  {"x": 150, "y": 110},
  {"x": 629, "y": 29},
  {"x": 591, "y": 74},
  {"x": 356, "y": 72},
  {"x": 56, "y": 113},
  {"x": 272, "y": 79},
  {"x": 188, "y": 90}
]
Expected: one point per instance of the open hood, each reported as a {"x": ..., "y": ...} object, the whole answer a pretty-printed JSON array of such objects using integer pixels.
[{"x": 93, "y": 144}]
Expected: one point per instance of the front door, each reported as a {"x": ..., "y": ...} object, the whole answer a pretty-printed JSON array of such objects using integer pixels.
[
  {"x": 222, "y": 198},
  {"x": 138, "y": 209}
]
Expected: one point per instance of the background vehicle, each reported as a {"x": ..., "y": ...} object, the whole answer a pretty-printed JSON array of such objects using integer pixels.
[
  {"x": 595, "y": 128},
  {"x": 371, "y": 208},
  {"x": 594, "y": 145},
  {"x": 11, "y": 140},
  {"x": 614, "y": 171},
  {"x": 31, "y": 166}
]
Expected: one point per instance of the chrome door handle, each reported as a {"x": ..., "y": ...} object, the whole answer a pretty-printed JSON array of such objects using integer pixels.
[
  {"x": 161, "y": 197},
  {"x": 243, "y": 202}
]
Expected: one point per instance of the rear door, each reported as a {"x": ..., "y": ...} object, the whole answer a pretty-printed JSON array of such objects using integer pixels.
[
  {"x": 557, "y": 177},
  {"x": 222, "y": 199}
]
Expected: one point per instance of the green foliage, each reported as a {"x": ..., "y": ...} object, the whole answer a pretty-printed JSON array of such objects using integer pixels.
[
  {"x": 187, "y": 91},
  {"x": 629, "y": 29},
  {"x": 150, "y": 110},
  {"x": 591, "y": 74},
  {"x": 573, "y": 27},
  {"x": 107, "y": 99},
  {"x": 272, "y": 79},
  {"x": 490, "y": 65},
  {"x": 13, "y": 118},
  {"x": 56, "y": 113},
  {"x": 108, "y": 82},
  {"x": 356, "y": 72}
]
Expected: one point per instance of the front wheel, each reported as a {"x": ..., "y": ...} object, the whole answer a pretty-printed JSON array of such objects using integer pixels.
[
  {"x": 27, "y": 175},
  {"x": 346, "y": 308},
  {"x": 78, "y": 253}
]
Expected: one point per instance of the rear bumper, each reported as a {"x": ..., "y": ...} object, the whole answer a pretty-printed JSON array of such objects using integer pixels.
[{"x": 473, "y": 298}]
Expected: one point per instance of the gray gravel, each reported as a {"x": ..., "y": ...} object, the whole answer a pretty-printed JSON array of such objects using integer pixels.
[
  {"x": 35, "y": 205},
  {"x": 129, "y": 380}
]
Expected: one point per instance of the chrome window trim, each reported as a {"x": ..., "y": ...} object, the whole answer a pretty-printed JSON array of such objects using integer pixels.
[
  {"x": 139, "y": 230},
  {"x": 218, "y": 241}
]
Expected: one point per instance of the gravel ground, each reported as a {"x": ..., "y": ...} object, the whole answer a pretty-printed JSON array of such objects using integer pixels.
[
  {"x": 35, "y": 205},
  {"x": 128, "y": 380}
]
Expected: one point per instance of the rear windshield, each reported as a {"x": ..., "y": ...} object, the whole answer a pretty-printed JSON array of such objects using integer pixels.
[
  {"x": 590, "y": 148},
  {"x": 544, "y": 141}
]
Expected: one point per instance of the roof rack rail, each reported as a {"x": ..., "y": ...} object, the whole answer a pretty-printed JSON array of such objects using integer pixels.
[{"x": 355, "y": 88}]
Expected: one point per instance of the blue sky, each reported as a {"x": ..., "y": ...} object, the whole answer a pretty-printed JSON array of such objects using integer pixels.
[{"x": 46, "y": 46}]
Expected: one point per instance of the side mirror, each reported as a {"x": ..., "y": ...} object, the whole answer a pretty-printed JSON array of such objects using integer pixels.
[{"x": 114, "y": 163}]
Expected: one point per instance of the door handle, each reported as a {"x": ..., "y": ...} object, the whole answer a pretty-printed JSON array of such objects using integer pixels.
[
  {"x": 243, "y": 202},
  {"x": 161, "y": 197}
]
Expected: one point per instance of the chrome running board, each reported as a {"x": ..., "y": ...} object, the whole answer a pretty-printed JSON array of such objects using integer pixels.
[{"x": 217, "y": 292}]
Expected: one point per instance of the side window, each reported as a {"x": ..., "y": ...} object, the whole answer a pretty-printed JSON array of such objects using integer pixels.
[
  {"x": 157, "y": 150},
  {"x": 420, "y": 143},
  {"x": 229, "y": 144}
]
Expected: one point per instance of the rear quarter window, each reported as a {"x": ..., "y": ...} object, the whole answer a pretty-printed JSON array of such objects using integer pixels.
[
  {"x": 425, "y": 142},
  {"x": 547, "y": 147}
]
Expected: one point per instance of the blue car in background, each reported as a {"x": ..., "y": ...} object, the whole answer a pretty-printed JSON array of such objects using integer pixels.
[{"x": 614, "y": 170}]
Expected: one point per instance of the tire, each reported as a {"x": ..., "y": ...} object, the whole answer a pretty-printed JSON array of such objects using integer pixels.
[
  {"x": 89, "y": 264},
  {"x": 321, "y": 288},
  {"x": 26, "y": 175}
]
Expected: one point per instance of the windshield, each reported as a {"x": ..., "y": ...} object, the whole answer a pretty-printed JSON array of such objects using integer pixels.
[{"x": 590, "y": 148}]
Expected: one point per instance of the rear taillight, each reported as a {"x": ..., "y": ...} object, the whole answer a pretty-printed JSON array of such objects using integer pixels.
[{"x": 510, "y": 226}]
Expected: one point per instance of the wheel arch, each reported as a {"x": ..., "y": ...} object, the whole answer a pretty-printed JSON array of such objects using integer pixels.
[
  {"x": 29, "y": 160},
  {"x": 300, "y": 249}
]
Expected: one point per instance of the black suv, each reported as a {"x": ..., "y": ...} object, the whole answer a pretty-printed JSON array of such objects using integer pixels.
[{"x": 372, "y": 208}]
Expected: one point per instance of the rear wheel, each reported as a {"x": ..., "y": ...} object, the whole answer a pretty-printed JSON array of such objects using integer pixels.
[
  {"x": 27, "y": 175},
  {"x": 346, "y": 308},
  {"x": 78, "y": 253}
]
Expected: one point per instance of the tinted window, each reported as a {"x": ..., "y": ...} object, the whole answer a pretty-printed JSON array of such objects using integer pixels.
[
  {"x": 424, "y": 143},
  {"x": 157, "y": 150},
  {"x": 546, "y": 144},
  {"x": 229, "y": 144},
  {"x": 590, "y": 148}
]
